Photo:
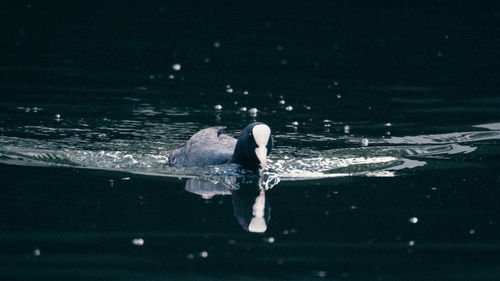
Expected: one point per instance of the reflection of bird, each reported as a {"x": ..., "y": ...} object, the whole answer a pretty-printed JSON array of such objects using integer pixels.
[
  {"x": 212, "y": 147},
  {"x": 249, "y": 200},
  {"x": 251, "y": 209}
]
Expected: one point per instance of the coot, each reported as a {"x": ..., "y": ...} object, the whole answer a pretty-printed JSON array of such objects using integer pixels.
[{"x": 212, "y": 147}]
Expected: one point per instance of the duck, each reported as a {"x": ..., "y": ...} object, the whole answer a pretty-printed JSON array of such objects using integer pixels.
[{"x": 211, "y": 146}]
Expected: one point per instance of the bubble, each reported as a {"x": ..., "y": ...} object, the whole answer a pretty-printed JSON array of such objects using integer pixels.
[
  {"x": 411, "y": 243},
  {"x": 171, "y": 76},
  {"x": 216, "y": 44},
  {"x": 339, "y": 96},
  {"x": 204, "y": 254},
  {"x": 138, "y": 241},
  {"x": 295, "y": 123},
  {"x": 365, "y": 142},
  {"x": 280, "y": 48},
  {"x": 111, "y": 183},
  {"x": 176, "y": 67},
  {"x": 190, "y": 256},
  {"x": 58, "y": 117},
  {"x": 472, "y": 231},
  {"x": 282, "y": 101},
  {"x": 289, "y": 108},
  {"x": 243, "y": 109},
  {"x": 335, "y": 83},
  {"x": 388, "y": 124},
  {"x": 253, "y": 111},
  {"x": 218, "y": 107},
  {"x": 245, "y": 93},
  {"x": 207, "y": 60},
  {"x": 125, "y": 179},
  {"x": 229, "y": 90},
  {"x": 413, "y": 220},
  {"x": 347, "y": 129},
  {"x": 151, "y": 76},
  {"x": 36, "y": 252}
]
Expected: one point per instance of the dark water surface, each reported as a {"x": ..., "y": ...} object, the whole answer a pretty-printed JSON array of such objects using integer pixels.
[{"x": 386, "y": 122}]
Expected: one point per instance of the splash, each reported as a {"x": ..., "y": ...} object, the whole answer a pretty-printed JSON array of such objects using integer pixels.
[{"x": 385, "y": 157}]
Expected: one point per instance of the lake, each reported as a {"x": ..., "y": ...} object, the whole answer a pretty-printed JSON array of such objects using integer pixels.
[{"x": 386, "y": 123}]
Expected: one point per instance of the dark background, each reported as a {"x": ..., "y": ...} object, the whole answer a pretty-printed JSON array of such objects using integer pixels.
[{"x": 426, "y": 67}]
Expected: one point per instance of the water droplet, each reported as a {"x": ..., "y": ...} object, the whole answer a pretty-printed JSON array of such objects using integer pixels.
[
  {"x": 269, "y": 240},
  {"x": 282, "y": 101},
  {"x": 36, "y": 252},
  {"x": 365, "y": 142},
  {"x": 216, "y": 44},
  {"x": 218, "y": 107},
  {"x": 295, "y": 123},
  {"x": 347, "y": 129},
  {"x": 289, "y": 108},
  {"x": 253, "y": 111},
  {"x": 413, "y": 220},
  {"x": 138, "y": 241},
  {"x": 204, "y": 254},
  {"x": 176, "y": 67},
  {"x": 320, "y": 273}
]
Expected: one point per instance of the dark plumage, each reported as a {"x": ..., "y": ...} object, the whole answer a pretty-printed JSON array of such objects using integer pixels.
[{"x": 212, "y": 147}]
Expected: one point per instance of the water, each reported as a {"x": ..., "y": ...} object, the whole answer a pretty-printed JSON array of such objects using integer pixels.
[{"x": 386, "y": 128}]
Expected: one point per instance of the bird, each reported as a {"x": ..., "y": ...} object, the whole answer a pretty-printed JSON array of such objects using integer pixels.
[{"x": 211, "y": 146}]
